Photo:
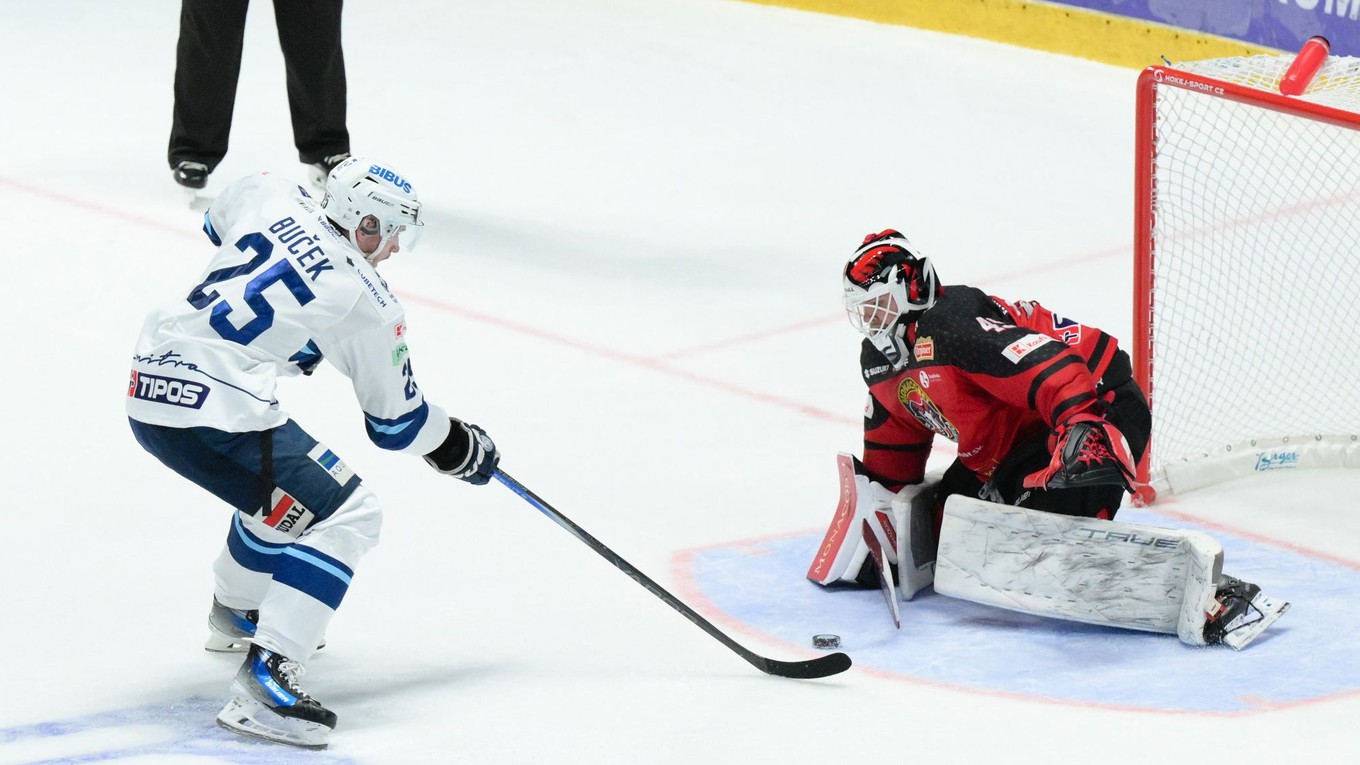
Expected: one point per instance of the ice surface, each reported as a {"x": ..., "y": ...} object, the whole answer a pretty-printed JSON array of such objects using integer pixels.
[{"x": 638, "y": 213}]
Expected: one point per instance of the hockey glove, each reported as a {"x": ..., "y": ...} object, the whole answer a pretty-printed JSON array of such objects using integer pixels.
[
  {"x": 1087, "y": 451},
  {"x": 901, "y": 522},
  {"x": 467, "y": 454}
]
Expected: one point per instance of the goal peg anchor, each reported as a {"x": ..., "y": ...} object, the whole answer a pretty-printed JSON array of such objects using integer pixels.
[{"x": 1306, "y": 65}]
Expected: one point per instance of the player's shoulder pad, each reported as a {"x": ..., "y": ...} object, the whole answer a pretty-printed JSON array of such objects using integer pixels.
[
  {"x": 249, "y": 196},
  {"x": 873, "y": 364},
  {"x": 957, "y": 312},
  {"x": 1019, "y": 310},
  {"x": 375, "y": 288}
]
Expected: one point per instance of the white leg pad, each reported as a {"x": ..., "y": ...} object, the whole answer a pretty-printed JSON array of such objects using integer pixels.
[
  {"x": 913, "y": 513},
  {"x": 1079, "y": 569}
]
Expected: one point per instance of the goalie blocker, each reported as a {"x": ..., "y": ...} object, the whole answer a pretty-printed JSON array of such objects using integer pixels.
[
  {"x": 1079, "y": 569},
  {"x": 871, "y": 518}
]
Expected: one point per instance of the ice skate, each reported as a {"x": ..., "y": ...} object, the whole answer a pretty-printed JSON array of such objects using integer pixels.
[
  {"x": 230, "y": 629},
  {"x": 268, "y": 703},
  {"x": 1243, "y": 613},
  {"x": 193, "y": 177},
  {"x": 320, "y": 170}
]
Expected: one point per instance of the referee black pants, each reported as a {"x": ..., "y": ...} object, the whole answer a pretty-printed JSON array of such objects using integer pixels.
[{"x": 208, "y": 64}]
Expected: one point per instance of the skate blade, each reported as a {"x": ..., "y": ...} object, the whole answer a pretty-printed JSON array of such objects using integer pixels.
[
  {"x": 251, "y": 718},
  {"x": 197, "y": 200},
  {"x": 1271, "y": 611},
  {"x": 219, "y": 643}
]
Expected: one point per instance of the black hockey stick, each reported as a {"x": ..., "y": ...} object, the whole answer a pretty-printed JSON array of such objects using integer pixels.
[{"x": 822, "y": 666}]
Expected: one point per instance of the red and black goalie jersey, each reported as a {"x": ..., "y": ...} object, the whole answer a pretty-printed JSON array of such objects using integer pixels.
[{"x": 986, "y": 374}]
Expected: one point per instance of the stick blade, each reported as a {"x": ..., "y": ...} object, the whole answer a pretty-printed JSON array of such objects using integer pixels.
[
  {"x": 822, "y": 666},
  {"x": 883, "y": 569}
]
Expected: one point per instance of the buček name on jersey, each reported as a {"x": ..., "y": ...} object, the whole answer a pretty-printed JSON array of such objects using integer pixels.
[{"x": 291, "y": 233}]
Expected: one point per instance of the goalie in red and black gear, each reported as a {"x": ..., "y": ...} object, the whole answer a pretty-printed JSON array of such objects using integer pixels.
[
  {"x": 1044, "y": 410},
  {"x": 1049, "y": 421}
]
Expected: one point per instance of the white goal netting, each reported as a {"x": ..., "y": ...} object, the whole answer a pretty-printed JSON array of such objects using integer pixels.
[{"x": 1255, "y": 270}]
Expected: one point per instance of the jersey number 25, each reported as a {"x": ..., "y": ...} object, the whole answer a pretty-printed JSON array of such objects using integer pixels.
[{"x": 281, "y": 271}]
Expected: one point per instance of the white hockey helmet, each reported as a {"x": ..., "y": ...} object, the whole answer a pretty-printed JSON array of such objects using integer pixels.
[
  {"x": 887, "y": 285},
  {"x": 365, "y": 195}
]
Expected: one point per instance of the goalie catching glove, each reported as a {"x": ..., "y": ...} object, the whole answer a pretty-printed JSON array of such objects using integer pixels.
[
  {"x": 467, "y": 454},
  {"x": 1087, "y": 451}
]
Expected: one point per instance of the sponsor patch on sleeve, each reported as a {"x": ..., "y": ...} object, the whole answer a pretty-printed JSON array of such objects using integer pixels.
[
  {"x": 1022, "y": 347},
  {"x": 1068, "y": 329},
  {"x": 331, "y": 462}
]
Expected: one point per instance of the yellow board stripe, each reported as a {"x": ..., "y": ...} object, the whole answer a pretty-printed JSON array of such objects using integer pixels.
[{"x": 1077, "y": 32}]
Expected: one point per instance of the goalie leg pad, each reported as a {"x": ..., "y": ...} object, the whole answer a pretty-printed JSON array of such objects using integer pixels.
[
  {"x": 1080, "y": 569},
  {"x": 914, "y": 512}
]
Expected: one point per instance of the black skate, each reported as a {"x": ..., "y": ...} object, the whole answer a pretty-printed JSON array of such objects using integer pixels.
[
  {"x": 191, "y": 175},
  {"x": 230, "y": 629},
  {"x": 1243, "y": 613},
  {"x": 321, "y": 170},
  {"x": 267, "y": 703}
]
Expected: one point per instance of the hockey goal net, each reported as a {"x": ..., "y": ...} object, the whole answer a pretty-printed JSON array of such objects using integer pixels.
[{"x": 1247, "y": 268}]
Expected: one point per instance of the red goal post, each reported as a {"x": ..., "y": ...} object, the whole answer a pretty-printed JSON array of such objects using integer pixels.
[{"x": 1247, "y": 266}]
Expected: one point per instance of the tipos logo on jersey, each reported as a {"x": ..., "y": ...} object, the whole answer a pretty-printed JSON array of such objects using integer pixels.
[
  {"x": 167, "y": 390},
  {"x": 915, "y": 400},
  {"x": 331, "y": 462},
  {"x": 286, "y": 514},
  {"x": 387, "y": 175}
]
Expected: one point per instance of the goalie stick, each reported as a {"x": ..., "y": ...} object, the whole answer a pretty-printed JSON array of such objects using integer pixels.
[{"x": 823, "y": 666}]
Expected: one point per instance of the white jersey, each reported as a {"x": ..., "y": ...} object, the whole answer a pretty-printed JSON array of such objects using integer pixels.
[{"x": 283, "y": 290}]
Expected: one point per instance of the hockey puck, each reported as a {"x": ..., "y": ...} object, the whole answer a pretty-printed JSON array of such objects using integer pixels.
[{"x": 826, "y": 641}]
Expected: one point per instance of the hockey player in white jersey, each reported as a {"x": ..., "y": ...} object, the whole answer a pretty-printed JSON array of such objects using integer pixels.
[{"x": 292, "y": 281}]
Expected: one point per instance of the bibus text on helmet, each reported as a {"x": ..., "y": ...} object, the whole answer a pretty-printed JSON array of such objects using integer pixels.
[
  {"x": 366, "y": 196},
  {"x": 887, "y": 285}
]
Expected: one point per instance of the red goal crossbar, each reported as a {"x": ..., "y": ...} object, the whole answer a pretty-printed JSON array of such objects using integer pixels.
[{"x": 1162, "y": 165}]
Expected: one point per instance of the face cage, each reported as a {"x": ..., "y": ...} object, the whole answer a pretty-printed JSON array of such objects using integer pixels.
[{"x": 874, "y": 310}]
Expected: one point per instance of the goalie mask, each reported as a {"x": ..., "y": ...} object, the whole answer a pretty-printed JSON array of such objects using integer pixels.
[
  {"x": 365, "y": 197},
  {"x": 886, "y": 287}
]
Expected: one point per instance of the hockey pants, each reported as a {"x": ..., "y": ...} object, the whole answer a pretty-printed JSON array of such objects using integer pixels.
[{"x": 302, "y": 522}]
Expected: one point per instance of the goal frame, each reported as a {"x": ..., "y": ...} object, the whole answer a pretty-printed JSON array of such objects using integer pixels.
[{"x": 1257, "y": 455}]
